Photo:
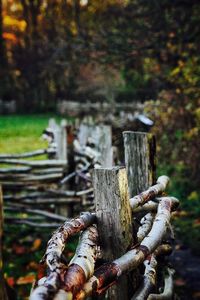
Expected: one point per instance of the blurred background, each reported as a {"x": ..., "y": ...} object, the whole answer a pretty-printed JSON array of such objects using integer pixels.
[{"x": 58, "y": 56}]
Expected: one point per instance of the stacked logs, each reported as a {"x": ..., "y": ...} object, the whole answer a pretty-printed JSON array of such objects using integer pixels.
[{"x": 58, "y": 184}]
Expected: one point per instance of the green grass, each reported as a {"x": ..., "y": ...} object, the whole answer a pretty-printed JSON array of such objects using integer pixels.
[{"x": 22, "y": 133}]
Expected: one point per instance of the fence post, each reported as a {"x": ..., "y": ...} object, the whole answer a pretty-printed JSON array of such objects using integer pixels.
[
  {"x": 60, "y": 135},
  {"x": 114, "y": 219},
  {"x": 3, "y": 294},
  {"x": 62, "y": 141},
  {"x": 140, "y": 154},
  {"x": 139, "y": 150},
  {"x": 102, "y": 137}
]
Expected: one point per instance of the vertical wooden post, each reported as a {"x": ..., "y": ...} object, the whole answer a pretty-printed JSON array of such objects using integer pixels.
[
  {"x": 102, "y": 137},
  {"x": 114, "y": 219},
  {"x": 60, "y": 135},
  {"x": 62, "y": 150},
  {"x": 140, "y": 150},
  {"x": 3, "y": 294}
]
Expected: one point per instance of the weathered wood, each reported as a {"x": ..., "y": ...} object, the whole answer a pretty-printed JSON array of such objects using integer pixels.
[
  {"x": 36, "y": 163},
  {"x": 140, "y": 150},
  {"x": 3, "y": 293},
  {"x": 27, "y": 154},
  {"x": 114, "y": 218},
  {"x": 101, "y": 137},
  {"x": 40, "y": 212},
  {"x": 60, "y": 138},
  {"x": 108, "y": 273},
  {"x": 56, "y": 267},
  {"x": 62, "y": 141},
  {"x": 30, "y": 177},
  {"x": 65, "y": 209}
]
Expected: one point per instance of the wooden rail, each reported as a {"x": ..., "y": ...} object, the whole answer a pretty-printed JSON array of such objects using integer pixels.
[{"x": 121, "y": 241}]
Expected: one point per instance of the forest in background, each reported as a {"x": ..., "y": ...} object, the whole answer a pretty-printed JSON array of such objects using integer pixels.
[{"x": 115, "y": 51}]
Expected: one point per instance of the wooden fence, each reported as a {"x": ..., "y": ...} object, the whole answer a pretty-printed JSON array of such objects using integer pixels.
[
  {"x": 124, "y": 242},
  {"x": 62, "y": 182}
]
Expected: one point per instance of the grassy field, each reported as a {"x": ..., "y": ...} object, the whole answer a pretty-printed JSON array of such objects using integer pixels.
[{"x": 22, "y": 133}]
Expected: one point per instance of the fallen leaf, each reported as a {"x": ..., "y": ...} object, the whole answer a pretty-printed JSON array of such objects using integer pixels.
[
  {"x": 196, "y": 222},
  {"x": 33, "y": 265},
  {"x": 26, "y": 279},
  {"x": 36, "y": 244},
  {"x": 10, "y": 281}
]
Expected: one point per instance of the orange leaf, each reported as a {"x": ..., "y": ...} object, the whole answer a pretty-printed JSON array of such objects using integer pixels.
[
  {"x": 26, "y": 279},
  {"x": 10, "y": 281},
  {"x": 33, "y": 265},
  {"x": 36, "y": 244},
  {"x": 196, "y": 222}
]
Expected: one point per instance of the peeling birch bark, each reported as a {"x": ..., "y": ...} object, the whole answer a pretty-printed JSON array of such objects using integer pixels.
[
  {"x": 150, "y": 274},
  {"x": 146, "y": 224},
  {"x": 151, "y": 193},
  {"x": 150, "y": 206},
  {"x": 167, "y": 294},
  {"x": 52, "y": 283},
  {"x": 81, "y": 267},
  {"x": 107, "y": 274},
  {"x": 57, "y": 242},
  {"x": 159, "y": 228},
  {"x": 149, "y": 280}
]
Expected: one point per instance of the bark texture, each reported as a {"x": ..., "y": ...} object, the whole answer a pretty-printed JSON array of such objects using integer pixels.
[
  {"x": 140, "y": 150},
  {"x": 114, "y": 218}
]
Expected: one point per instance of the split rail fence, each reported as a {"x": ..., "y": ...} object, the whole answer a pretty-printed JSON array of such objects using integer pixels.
[
  {"x": 124, "y": 243},
  {"x": 61, "y": 184}
]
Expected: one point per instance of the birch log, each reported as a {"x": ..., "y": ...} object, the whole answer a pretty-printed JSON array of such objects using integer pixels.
[
  {"x": 146, "y": 224},
  {"x": 81, "y": 267},
  {"x": 150, "y": 274},
  {"x": 53, "y": 257},
  {"x": 167, "y": 293},
  {"x": 114, "y": 218},
  {"x": 150, "y": 193},
  {"x": 3, "y": 293},
  {"x": 106, "y": 275}
]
